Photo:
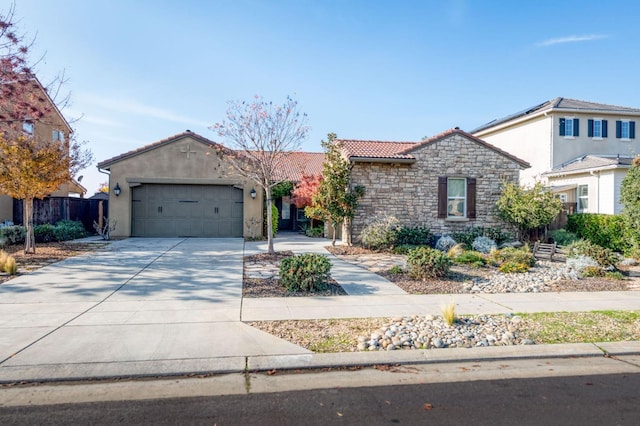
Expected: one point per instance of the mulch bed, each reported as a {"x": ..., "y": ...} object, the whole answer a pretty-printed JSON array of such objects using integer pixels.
[{"x": 271, "y": 287}]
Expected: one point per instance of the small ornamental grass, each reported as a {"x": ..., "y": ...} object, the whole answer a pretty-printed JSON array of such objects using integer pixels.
[
  {"x": 8, "y": 263},
  {"x": 425, "y": 262},
  {"x": 449, "y": 313},
  {"x": 305, "y": 272}
]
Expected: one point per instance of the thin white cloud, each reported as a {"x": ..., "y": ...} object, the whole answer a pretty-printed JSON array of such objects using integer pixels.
[
  {"x": 90, "y": 118},
  {"x": 571, "y": 39},
  {"x": 130, "y": 106}
]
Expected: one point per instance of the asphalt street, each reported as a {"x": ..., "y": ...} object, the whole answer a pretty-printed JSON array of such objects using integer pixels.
[{"x": 577, "y": 400}]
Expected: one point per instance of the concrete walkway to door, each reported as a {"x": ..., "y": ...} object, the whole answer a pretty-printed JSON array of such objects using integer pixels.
[{"x": 139, "y": 307}]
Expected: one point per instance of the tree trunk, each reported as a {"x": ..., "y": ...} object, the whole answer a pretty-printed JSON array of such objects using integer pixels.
[
  {"x": 29, "y": 238},
  {"x": 334, "y": 225},
  {"x": 270, "y": 249}
]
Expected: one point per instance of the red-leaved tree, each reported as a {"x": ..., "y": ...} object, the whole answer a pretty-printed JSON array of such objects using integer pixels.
[{"x": 302, "y": 195}]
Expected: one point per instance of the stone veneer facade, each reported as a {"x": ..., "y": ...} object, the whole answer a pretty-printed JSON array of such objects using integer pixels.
[{"x": 410, "y": 191}]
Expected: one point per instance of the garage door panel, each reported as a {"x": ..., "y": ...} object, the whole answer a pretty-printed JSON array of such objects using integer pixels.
[{"x": 186, "y": 211}]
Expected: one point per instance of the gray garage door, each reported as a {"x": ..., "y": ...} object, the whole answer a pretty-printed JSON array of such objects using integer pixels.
[{"x": 186, "y": 211}]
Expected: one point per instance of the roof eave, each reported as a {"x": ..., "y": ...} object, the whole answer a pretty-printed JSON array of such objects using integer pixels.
[
  {"x": 586, "y": 170},
  {"x": 382, "y": 160}
]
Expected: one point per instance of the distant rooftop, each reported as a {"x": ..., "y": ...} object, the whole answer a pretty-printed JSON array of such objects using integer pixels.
[{"x": 566, "y": 104}]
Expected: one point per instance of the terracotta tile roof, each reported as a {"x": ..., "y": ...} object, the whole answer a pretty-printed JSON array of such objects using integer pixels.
[
  {"x": 375, "y": 149},
  {"x": 297, "y": 163},
  {"x": 355, "y": 149},
  {"x": 188, "y": 133},
  {"x": 294, "y": 164},
  {"x": 563, "y": 105},
  {"x": 590, "y": 162}
]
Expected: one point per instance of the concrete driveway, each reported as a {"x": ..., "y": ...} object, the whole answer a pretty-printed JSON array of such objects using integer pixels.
[{"x": 141, "y": 306}]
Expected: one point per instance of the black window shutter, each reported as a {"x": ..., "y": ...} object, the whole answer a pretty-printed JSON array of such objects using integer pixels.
[
  {"x": 442, "y": 197},
  {"x": 562, "y": 127},
  {"x": 576, "y": 127},
  {"x": 632, "y": 130},
  {"x": 590, "y": 128},
  {"x": 604, "y": 128},
  {"x": 618, "y": 129},
  {"x": 471, "y": 198}
]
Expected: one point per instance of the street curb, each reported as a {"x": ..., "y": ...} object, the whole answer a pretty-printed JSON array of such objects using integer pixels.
[{"x": 242, "y": 365}]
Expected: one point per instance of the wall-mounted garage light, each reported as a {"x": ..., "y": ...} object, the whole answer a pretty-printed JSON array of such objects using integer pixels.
[
  {"x": 117, "y": 190},
  {"x": 252, "y": 193}
]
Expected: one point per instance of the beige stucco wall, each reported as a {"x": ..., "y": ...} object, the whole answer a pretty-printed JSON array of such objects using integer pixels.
[
  {"x": 529, "y": 140},
  {"x": 183, "y": 161},
  {"x": 410, "y": 191},
  {"x": 604, "y": 189},
  {"x": 537, "y": 139},
  {"x": 566, "y": 149}
]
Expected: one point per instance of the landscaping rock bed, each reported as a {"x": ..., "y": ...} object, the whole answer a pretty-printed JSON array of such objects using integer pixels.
[{"x": 432, "y": 332}]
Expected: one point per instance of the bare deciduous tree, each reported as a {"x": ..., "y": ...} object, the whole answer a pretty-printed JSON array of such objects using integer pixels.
[{"x": 263, "y": 135}]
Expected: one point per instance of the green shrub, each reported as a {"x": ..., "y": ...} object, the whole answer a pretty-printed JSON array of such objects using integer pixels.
[
  {"x": 274, "y": 219},
  {"x": 315, "y": 232},
  {"x": 563, "y": 237},
  {"x": 470, "y": 234},
  {"x": 592, "y": 271},
  {"x": 305, "y": 272},
  {"x": 414, "y": 236},
  {"x": 603, "y": 256},
  {"x": 13, "y": 234},
  {"x": 396, "y": 269},
  {"x": 44, "y": 233},
  {"x": 513, "y": 255},
  {"x": 605, "y": 230},
  {"x": 66, "y": 230},
  {"x": 380, "y": 233},
  {"x": 510, "y": 267},
  {"x": 425, "y": 262},
  {"x": 614, "y": 275},
  {"x": 404, "y": 249},
  {"x": 471, "y": 257}
]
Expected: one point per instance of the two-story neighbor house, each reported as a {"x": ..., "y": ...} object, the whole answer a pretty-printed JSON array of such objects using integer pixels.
[
  {"x": 49, "y": 124},
  {"x": 581, "y": 149}
]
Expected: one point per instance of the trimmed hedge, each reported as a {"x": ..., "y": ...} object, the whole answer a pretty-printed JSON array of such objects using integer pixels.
[{"x": 605, "y": 230}]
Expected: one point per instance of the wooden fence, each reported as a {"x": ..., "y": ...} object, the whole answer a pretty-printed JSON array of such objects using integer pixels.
[{"x": 54, "y": 209}]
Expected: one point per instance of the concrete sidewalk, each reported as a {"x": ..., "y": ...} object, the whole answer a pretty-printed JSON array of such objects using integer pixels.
[{"x": 161, "y": 307}]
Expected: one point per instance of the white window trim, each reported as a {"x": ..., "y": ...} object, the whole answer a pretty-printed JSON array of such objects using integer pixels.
[
  {"x": 622, "y": 138},
  {"x": 565, "y": 128},
  {"x": 464, "y": 198},
  {"x": 580, "y": 197},
  {"x": 28, "y": 123},
  {"x": 597, "y": 138}
]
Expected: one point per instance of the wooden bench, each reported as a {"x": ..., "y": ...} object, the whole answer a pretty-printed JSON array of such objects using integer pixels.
[{"x": 544, "y": 250}]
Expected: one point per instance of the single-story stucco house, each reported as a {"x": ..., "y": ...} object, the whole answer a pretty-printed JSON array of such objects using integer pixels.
[
  {"x": 448, "y": 182},
  {"x": 184, "y": 185}
]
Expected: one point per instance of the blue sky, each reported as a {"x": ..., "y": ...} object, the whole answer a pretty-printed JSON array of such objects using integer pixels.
[{"x": 142, "y": 70}]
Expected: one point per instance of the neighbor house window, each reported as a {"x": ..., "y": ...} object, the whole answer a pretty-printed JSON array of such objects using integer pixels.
[
  {"x": 583, "y": 198},
  {"x": 569, "y": 127},
  {"x": 27, "y": 127},
  {"x": 625, "y": 129},
  {"x": 456, "y": 198},
  {"x": 597, "y": 128},
  {"x": 58, "y": 136}
]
